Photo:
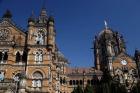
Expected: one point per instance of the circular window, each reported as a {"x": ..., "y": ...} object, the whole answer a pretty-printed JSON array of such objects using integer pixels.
[{"x": 4, "y": 33}]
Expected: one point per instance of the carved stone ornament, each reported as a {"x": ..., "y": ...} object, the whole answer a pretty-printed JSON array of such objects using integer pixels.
[{"x": 4, "y": 34}]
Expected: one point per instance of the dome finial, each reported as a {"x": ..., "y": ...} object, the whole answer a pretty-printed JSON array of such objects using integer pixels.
[{"x": 105, "y": 23}]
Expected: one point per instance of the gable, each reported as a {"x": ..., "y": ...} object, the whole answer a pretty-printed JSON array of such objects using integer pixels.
[
  {"x": 123, "y": 60},
  {"x": 11, "y": 34}
]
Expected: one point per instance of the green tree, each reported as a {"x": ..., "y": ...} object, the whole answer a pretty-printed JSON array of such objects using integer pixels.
[
  {"x": 136, "y": 89},
  {"x": 89, "y": 89},
  {"x": 78, "y": 89}
]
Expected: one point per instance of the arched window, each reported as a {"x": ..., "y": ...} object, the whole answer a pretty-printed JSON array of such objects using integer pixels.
[
  {"x": 73, "y": 82},
  {"x": 64, "y": 80},
  {"x": 77, "y": 82},
  {"x": 61, "y": 80},
  {"x": 0, "y": 56},
  {"x": 24, "y": 56},
  {"x": 18, "y": 57},
  {"x": 39, "y": 56},
  {"x": 39, "y": 38},
  {"x": 92, "y": 82},
  {"x": 88, "y": 82},
  {"x": 5, "y": 56},
  {"x": 70, "y": 82},
  {"x": 37, "y": 79},
  {"x": 81, "y": 82}
]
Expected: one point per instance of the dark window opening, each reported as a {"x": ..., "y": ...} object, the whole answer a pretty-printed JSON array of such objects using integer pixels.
[
  {"x": 73, "y": 82},
  {"x": 81, "y": 82},
  {"x": 77, "y": 82},
  {"x": 61, "y": 81},
  {"x": 64, "y": 80},
  {"x": 37, "y": 42},
  {"x": 18, "y": 57},
  {"x": 0, "y": 56},
  {"x": 5, "y": 56},
  {"x": 88, "y": 82},
  {"x": 24, "y": 56},
  {"x": 70, "y": 82},
  {"x": 92, "y": 82}
]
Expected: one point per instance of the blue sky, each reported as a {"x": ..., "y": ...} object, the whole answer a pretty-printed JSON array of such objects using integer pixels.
[{"x": 78, "y": 21}]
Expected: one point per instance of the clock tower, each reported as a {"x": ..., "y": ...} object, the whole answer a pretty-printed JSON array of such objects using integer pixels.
[
  {"x": 111, "y": 56},
  {"x": 30, "y": 61}
]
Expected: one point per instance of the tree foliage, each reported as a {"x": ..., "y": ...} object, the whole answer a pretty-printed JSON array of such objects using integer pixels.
[
  {"x": 89, "y": 89},
  {"x": 78, "y": 89}
]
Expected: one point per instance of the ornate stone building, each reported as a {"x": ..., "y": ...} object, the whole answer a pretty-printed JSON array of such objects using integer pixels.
[
  {"x": 30, "y": 61},
  {"x": 110, "y": 55}
]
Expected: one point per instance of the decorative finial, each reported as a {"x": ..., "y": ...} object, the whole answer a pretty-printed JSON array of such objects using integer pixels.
[
  {"x": 32, "y": 13},
  {"x": 105, "y": 23},
  {"x": 7, "y": 14}
]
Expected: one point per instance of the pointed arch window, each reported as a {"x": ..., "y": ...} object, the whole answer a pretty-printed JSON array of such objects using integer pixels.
[
  {"x": 3, "y": 57},
  {"x": 39, "y": 56},
  {"x": 18, "y": 57},
  {"x": 40, "y": 37},
  {"x": 24, "y": 56},
  {"x": 37, "y": 79}
]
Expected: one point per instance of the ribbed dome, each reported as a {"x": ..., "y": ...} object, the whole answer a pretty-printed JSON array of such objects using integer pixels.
[{"x": 105, "y": 31}]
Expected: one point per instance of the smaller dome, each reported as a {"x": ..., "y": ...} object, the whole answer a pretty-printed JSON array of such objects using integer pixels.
[
  {"x": 51, "y": 18},
  {"x": 137, "y": 52},
  {"x": 31, "y": 19},
  {"x": 7, "y": 14}
]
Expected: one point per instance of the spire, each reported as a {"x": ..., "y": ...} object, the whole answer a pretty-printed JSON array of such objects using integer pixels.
[
  {"x": 43, "y": 10},
  {"x": 43, "y": 14}
]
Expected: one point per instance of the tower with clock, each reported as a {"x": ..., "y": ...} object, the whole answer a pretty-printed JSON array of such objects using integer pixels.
[
  {"x": 30, "y": 60},
  {"x": 111, "y": 56}
]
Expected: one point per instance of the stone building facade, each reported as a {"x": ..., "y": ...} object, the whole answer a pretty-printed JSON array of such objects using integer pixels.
[
  {"x": 111, "y": 56},
  {"x": 30, "y": 61}
]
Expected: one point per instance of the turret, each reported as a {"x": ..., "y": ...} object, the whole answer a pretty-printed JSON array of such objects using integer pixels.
[
  {"x": 31, "y": 29},
  {"x": 31, "y": 20},
  {"x": 43, "y": 18},
  {"x": 51, "y": 33},
  {"x": 7, "y": 15}
]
